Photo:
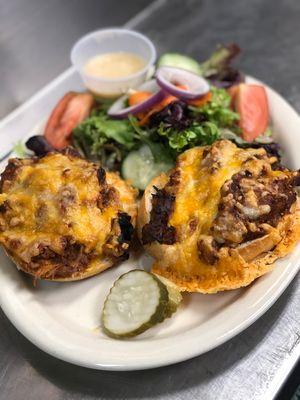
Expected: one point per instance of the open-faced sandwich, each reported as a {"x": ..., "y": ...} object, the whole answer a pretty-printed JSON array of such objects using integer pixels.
[
  {"x": 220, "y": 218},
  {"x": 218, "y": 207},
  {"x": 64, "y": 218}
]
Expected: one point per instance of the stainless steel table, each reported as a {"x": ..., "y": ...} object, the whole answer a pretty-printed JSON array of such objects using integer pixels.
[{"x": 35, "y": 38}]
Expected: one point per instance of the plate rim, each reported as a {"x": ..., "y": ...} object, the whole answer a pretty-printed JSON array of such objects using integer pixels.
[{"x": 145, "y": 365}]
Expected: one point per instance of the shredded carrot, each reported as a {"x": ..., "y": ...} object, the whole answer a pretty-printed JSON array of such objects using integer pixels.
[
  {"x": 203, "y": 100},
  {"x": 182, "y": 87},
  {"x": 138, "y": 97},
  {"x": 144, "y": 118}
]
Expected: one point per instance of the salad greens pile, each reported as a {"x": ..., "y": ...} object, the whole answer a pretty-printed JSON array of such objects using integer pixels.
[
  {"x": 102, "y": 138},
  {"x": 205, "y": 124},
  {"x": 175, "y": 129}
]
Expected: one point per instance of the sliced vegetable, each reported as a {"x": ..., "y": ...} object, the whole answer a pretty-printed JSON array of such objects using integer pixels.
[
  {"x": 144, "y": 118},
  {"x": 175, "y": 296},
  {"x": 217, "y": 68},
  {"x": 137, "y": 301},
  {"x": 251, "y": 103},
  {"x": 72, "y": 109},
  {"x": 140, "y": 167},
  {"x": 170, "y": 79},
  {"x": 118, "y": 110},
  {"x": 58, "y": 111},
  {"x": 179, "y": 61},
  {"x": 138, "y": 97}
]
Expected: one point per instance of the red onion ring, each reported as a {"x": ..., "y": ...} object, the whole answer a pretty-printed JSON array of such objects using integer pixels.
[
  {"x": 168, "y": 77},
  {"x": 117, "y": 110}
]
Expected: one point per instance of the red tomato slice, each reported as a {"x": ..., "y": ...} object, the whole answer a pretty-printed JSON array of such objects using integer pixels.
[
  {"x": 251, "y": 103},
  {"x": 72, "y": 109}
]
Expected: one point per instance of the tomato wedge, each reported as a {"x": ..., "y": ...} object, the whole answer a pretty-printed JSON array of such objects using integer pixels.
[
  {"x": 72, "y": 109},
  {"x": 251, "y": 102}
]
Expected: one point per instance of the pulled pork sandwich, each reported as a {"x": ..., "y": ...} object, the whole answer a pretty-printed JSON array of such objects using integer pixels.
[
  {"x": 220, "y": 218},
  {"x": 63, "y": 218}
]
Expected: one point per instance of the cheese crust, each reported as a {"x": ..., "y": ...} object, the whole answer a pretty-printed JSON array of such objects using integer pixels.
[
  {"x": 221, "y": 218},
  {"x": 63, "y": 217}
]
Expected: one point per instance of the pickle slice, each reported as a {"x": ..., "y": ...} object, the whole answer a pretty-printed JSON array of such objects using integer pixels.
[
  {"x": 137, "y": 301},
  {"x": 175, "y": 296}
]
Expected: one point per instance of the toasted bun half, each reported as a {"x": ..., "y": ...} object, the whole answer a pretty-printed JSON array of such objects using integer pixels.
[
  {"x": 63, "y": 218},
  {"x": 235, "y": 266},
  {"x": 91, "y": 270}
]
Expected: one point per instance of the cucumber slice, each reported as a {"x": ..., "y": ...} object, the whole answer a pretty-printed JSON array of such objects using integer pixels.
[
  {"x": 137, "y": 301},
  {"x": 179, "y": 61},
  {"x": 140, "y": 167}
]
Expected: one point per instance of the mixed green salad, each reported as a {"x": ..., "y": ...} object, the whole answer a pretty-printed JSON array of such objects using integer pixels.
[
  {"x": 186, "y": 104},
  {"x": 154, "y": 147}
]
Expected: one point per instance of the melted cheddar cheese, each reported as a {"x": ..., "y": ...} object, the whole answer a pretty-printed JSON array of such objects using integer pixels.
[
  {"x": 202, "y": 175},
  {"x": 199, "y": 192},
  {"x": 41, "y": 187},
  {"x": 56, "y": 197}
]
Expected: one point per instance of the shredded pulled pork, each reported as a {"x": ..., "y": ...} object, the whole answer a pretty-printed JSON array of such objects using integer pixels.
[
  {"x": 59, "y": 214},
  {"x": 252, "y": 201},
  {"x": 221, "y": 197},
  {"x": 158, "y": 228},
  {"x": 248, "y": 201}
]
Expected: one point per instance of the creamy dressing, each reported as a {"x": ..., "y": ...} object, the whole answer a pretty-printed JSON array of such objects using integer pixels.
[{"x": 114, "y": 65}]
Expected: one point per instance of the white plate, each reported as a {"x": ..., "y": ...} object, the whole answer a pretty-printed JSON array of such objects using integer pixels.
[{"x": 63, "y": 318}]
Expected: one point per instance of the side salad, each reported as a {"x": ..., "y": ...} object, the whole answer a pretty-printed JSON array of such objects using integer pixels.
[{"x": 186, "y": 104}]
